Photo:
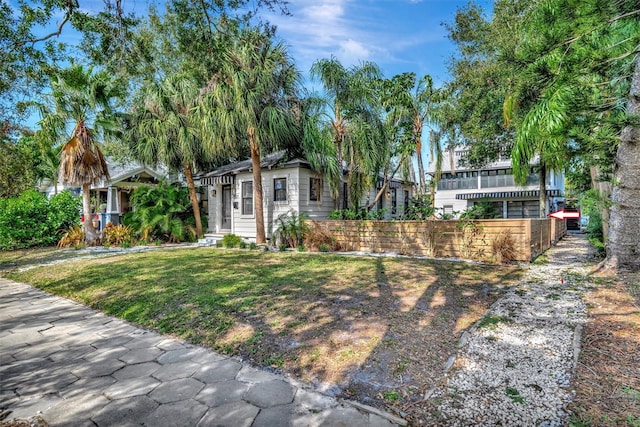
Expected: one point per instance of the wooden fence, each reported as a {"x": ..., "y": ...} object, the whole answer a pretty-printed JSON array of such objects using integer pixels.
[{"x": 438, "y": 238}]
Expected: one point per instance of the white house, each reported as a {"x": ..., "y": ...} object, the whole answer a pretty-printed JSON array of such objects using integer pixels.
[
  {"x": 460, "y": 188},
  {"x": 288, "y": 186}
]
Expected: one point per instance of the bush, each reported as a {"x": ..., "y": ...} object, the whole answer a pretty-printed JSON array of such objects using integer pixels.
[
  {"x": 481, "y": 210},
  {"x": 358, "y": 214},
  {"x": 231, "y": 241},
  {"x": 161, "y": 213},
  {"x": 316, "y": 238},
  {"x": 420, "y": 208},
  {"x": 291, "y": 230},
  {"x": 117, "y": 235},
  {"x": 503, "y": 248},
  {"x": 74, "y": 237},
  {"x": 32, "y": 220}
]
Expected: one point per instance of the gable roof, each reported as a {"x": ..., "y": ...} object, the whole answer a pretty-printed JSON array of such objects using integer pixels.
[{"x": 226, "y": 174}]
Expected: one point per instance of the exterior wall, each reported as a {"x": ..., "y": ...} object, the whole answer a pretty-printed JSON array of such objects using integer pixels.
[
  {"x": 298, "y": 189},
  {"x": 446, "y": 201},
  {"x": 314, "y": 209},
  {"x": 386, "y": 202}
]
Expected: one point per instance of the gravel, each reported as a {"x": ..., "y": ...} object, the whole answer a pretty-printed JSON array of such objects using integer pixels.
[{"x": 515, "y": 366}]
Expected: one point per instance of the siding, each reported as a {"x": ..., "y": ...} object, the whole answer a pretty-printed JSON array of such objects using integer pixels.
[{"x": 314, "y": 209}]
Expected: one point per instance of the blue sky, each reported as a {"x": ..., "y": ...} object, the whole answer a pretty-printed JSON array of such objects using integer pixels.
[{"x": 398, "y": 35}]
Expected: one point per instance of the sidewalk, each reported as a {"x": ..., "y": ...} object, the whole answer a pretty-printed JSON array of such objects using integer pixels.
[{"x": 77, "y": 367}]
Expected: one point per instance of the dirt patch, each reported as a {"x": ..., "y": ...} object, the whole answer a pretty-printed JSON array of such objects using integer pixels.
[
  {"x": 608, "y": 374},
  {"x": 380, "y": 337}
]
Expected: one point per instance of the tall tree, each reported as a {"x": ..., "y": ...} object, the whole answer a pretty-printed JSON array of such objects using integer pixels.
[
  {"x": 81, "y": 112},
  {"x": 164, "y": 130},
  {"x": 348, "y": 120},
  {"x": 252, "y": 102}
]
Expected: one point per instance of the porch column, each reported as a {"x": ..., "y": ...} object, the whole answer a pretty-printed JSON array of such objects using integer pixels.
[{"x": 113, "y": 205}]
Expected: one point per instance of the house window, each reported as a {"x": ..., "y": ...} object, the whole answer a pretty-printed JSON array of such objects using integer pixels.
[
  {"x": 345, "y": 196},
  {"x": 394, "y": 201},
  {"x": 280, "y": 189},
  {"x": 315, "y": 189},
  {"x": 247, "y": 198},
  {"x": 406, "y": 201}
]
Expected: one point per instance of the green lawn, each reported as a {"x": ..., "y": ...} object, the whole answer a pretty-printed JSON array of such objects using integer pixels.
[{"x": 353, "y": 321}]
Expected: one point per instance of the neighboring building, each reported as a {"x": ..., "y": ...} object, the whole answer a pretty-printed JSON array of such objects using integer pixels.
[
  {"x": 113, "y": 196},
  {"x": 460, "y": 188},
  {"x": 287, "y": 185}
]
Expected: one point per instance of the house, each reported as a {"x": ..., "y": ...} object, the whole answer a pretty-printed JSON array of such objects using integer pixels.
[
  {"x": 460, "y": 188},
  {"x": 288, "y": 185},
  {"x": 111, "y": 198}
]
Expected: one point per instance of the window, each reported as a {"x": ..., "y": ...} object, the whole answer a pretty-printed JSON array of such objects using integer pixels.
[
  {"x": 394, "y": 201},
  {"x": 315, "y": 189},
  {"x": 247, "y": 198},
  {"x": 345, "y": 196},
  {"x": 280, "y": 189},
  {"x": 406, "y": 201}
]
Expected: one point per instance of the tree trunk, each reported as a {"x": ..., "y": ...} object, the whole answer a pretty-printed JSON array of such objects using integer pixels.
[
  {"x": 623, "y": 252},
  {"x": 257, "y": 187},
  {"x": 417, "y": 130},
  {"x": 603, "y": 188},
  {"x": 90, "y": 235},
  {"x": 543, "y": 190},
  {"x": 194, "y": 199}
]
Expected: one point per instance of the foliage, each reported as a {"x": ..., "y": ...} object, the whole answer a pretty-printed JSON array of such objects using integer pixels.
[
  {"x": 164, "y": 130},
  {"x": 251, "y": 104},
  {"x": 32, "y": 220},
  {"x": 161, "y": 213},
  {"x": 291, "y": 229},
  {"x": 484, "y": 209},
  {"x": 73, "y": 237},
  {"x": 420, "y": 208},
  {"x": 117, "y": 235},
  {"x": 16, "y": 169},
  {"x": 503, "y": 248},
  {"x": 317, "y": 239},
  {"x": 231, "y": 241},
  {"x": 360, "y": 214},
  {"x": 344, "y": 126}
]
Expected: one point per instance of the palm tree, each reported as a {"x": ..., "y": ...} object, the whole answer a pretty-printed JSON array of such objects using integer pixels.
[
  {"x": 348, "y": 121},
  {"x": 164, "y": 130},
  {"x": 84, "y": 100},
  {"x": 253, "y": 102}
]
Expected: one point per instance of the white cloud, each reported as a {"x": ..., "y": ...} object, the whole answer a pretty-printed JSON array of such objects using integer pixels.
[{"x": 352, "y": 51}]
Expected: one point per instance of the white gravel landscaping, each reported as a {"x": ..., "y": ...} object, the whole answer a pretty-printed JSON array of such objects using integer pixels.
[{"x": 514, "y": 367}]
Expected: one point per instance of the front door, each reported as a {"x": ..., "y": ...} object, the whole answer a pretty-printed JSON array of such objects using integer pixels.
[{"x": 226, "y": 208}]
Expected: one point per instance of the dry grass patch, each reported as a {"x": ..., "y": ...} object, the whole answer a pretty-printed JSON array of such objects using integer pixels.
[
  {"x": 376, "y": 329},
  {"x": 608, "y": 375}
]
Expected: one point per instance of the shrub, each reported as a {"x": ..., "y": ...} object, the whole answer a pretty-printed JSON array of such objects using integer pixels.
[
  {"x": 74, "y": 236},
  {"x": 32, "y": 220},
  {"x": 231, "y": 241},
  {"x": 253, "y": 246},
  {"x": 291, "y": 229},
  {"x": 161, "y": 213},
  {"x": 358, "y": 214},
  {"x": 117, "y": 235},
  {"x": 420, "y": 208},
  {"x": 481, "y": 210},
  {"x": 503, "y": 248},
  {"x": 316, "y": 238},
  {"x": 243, "y": 244}
]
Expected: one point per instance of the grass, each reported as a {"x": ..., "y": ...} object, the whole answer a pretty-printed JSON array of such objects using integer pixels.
[{"x": 359, "y": 322}]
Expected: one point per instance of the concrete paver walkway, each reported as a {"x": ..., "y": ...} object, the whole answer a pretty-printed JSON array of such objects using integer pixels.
[{"x": 77, "y": 367}]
